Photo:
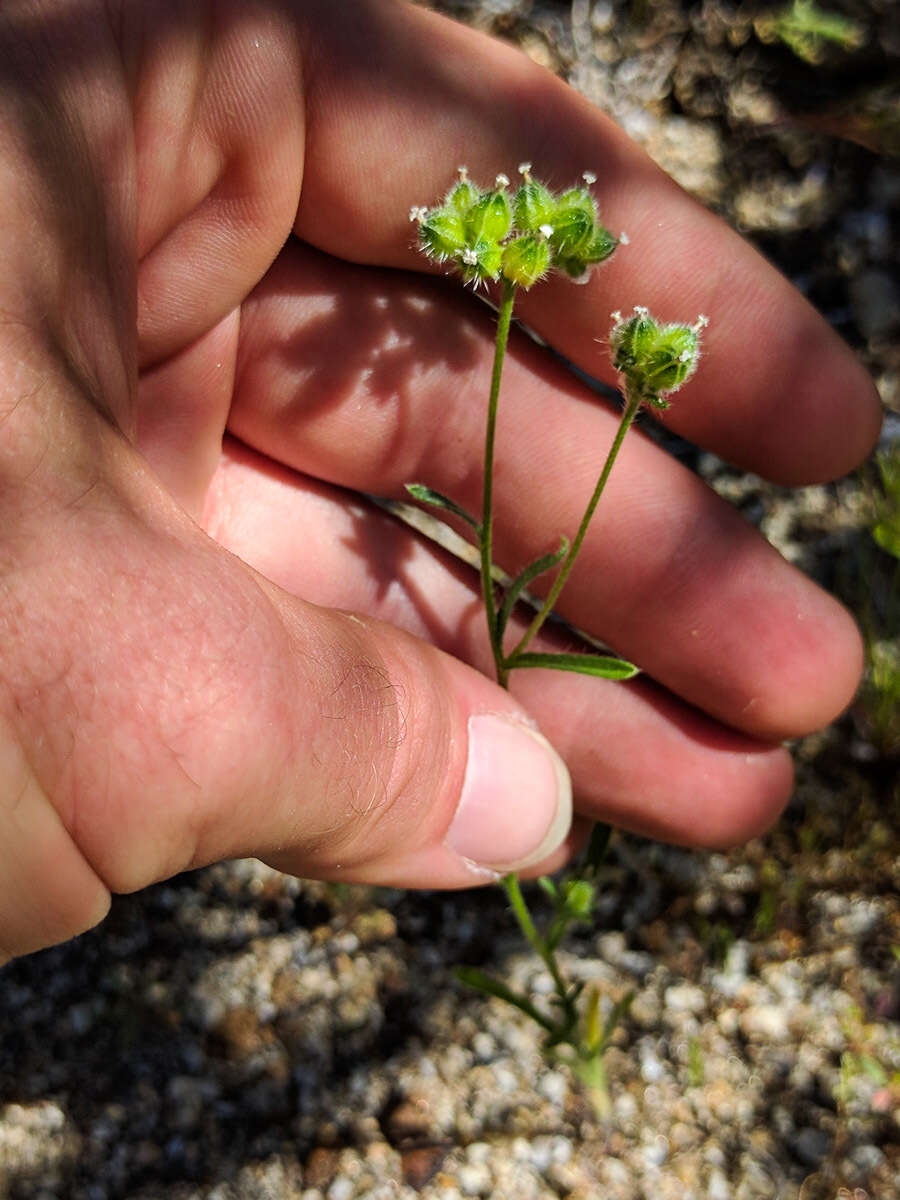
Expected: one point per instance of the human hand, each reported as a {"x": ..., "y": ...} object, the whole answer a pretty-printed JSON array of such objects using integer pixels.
[{"x": 197, "y": 208}]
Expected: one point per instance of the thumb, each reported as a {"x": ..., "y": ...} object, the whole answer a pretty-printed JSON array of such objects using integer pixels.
[
  {"x": 170, "y": 707},
  {"x": 426, "y": 773}
]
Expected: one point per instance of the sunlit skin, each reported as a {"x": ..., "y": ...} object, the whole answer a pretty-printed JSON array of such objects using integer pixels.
[{"x": 215, "y": 328}]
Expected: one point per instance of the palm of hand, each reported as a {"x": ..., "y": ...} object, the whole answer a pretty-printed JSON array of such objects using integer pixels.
[{"x": 178, "y": 706}]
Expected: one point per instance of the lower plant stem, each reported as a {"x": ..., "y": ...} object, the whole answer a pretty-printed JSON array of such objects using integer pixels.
[
  {"x": 592, "y": 1073},
  {"x": 536, "y": 942},
  {"x": 504, "y": 317},
  {"x": 633, "y": 402}
]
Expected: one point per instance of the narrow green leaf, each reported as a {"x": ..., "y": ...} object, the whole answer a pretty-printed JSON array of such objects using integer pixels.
[
  {"x": 617, "y": 1015},
  {"x": 546, "y": 884},
  {"x": 545, "y": 563},
  {"x": 427, "y": 495},
  {"x": 584, "y": 664},
  {"x": 480, "y": 980},
  {"x": 598, "y": 846},
  {"x": 873, "y": 1068},
  {"x": 887, "y": 535}
]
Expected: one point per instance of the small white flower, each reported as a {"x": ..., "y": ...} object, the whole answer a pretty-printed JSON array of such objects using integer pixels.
[
  {"x": 501, "y": 181},
  {"x": 615, "y": 316},
  {"x": 624, "y": 239},
  {"x": 546, "y": 230},
  {"x": 469, "y": 257},
  {"x": 524, "y": 169},
  {"x": 463, "y": 173},
  {"x": 418, "y": 213},
  {"x": 589, "y": 177},
  {"x": 642, "y": 310},
  {"x": 701, "y": 322}
]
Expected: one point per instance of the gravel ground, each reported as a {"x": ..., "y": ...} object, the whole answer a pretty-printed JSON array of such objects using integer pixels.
[{"x": 236, "y": 1033}]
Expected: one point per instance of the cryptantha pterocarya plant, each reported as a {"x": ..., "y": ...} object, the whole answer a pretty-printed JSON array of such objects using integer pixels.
[{"x": 511, "y": 239}]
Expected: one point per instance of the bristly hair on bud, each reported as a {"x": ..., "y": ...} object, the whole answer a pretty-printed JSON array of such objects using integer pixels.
[
  {"x": 525, "y": 260},
  {"x": 654, "y": 359},
  {"x": 476, "y": 229}
]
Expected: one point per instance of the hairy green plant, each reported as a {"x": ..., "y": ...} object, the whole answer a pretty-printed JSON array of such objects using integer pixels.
[
  {"x": 807, "y": 30},
  {"x": 512, "y": 239},
  {"x": 576, "y": 1033},
  {"x": 879, "y": 585}
]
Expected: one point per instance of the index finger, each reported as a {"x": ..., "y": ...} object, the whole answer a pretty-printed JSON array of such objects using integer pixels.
[{"x": 779, "y": 393}]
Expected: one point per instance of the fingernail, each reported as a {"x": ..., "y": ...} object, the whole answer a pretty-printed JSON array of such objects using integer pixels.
[{"x": 516, "y": 803}]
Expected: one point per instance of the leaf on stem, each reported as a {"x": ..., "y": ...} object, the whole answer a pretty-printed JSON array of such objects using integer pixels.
[
  {"x": 546, "y": 884},
  {"x": 480, "y": 980},
  {"x": 598, "y": 847},
  {"x": 545, "y": 563},
  {"x": 584, "y": 664},
  {"x": 427, "y": 495},
  {"x": 617, "y": 1014}
]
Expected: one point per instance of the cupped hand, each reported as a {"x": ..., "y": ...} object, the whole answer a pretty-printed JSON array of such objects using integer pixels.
[{"x": 215, "y": 333}]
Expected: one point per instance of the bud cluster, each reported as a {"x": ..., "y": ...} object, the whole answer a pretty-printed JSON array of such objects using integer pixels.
[
  {"x": 491, "y": 232},
  {"x": 654, "y": 359}
]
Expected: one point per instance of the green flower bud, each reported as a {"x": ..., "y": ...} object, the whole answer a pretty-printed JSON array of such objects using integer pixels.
[
  {"x": 526, "y": 259},
  {"x": 574, "y": 222},
  {"x": 462, "y": 196},
  {"x": 534, "y": 205},
  {"x": 653, "y": 358},
  {"x": 442, "y": 234},
  {"x": 573, "y": 229},
  {"x": 579, "y": 898},
  {"x": 489, "y": 218},
  {"x": 481, "y": 261},
  {"x": 599, "y": 247}
]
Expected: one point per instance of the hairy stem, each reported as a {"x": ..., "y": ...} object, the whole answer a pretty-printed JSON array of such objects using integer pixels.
[
  {"x": 633, "y": 400},
  {"x": 504, "y": 318},
  {"x": 538, "y": 944}
]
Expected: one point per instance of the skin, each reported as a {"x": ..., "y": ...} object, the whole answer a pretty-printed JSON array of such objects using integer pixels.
[{"x": 212, "y": 647}]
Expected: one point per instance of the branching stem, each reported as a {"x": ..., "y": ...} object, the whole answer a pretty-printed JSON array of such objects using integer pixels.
[{"x": 633, "y": 400}]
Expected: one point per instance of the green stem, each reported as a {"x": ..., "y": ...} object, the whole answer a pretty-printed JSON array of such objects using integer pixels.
[
  {"x": 504, "y": 317},
  {"x": 592, "y": 1073},
  {"x": 536, "y": 942},
  {"x": 633, "y": 401}
]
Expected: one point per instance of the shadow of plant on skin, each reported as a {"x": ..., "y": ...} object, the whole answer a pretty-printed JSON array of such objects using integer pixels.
[{"x": 325, "y": 338}]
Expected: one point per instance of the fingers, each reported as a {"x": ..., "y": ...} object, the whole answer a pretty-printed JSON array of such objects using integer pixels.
[
  {"x": 218, "y": 136},
  {"x": 638, "y": 757},
  {"x": 355, "y": 378},
  {"x": 777, "y": 391},
  {"x": 249, "y": 125}
]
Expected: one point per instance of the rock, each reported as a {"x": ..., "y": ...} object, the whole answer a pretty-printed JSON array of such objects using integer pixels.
[
  {"x": 862, "y": 1160},
  {"x": 810, "y": 1145},
  {"x": 420, "y": 1166},
  {"x": 409, "y": 1120},
  {"x": 342, "y": 1188},
  {"x": 685, "y": 998},
  {"x": 717, "y": 1187},
  {"x": 474, "y": 1179},
  {"x": 784, "y": 205},
  {"x": 320, "y": 1167},
  {"x": 876, "y": 303},
  {"x": 765, "y": 1023},
  {"x": 691, "y": 152}
]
